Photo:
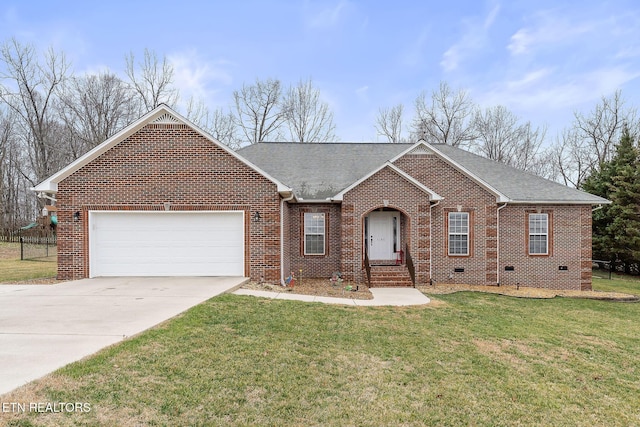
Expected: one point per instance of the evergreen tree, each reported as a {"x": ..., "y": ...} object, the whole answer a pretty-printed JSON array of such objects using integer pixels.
[{"x": 616, "y": 228}]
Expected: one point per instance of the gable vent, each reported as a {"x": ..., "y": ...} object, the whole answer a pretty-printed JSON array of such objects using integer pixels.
[
  {"x": 421, "y": 150},
  {"x": 166, "y": 119}
]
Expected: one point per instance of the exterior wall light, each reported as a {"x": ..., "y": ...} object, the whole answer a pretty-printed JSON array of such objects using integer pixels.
[
  {"x": 76, "y": 216},
  {"x": 256, "y": 216}
]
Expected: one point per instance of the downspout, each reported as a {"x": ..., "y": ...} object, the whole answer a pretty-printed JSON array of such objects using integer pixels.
[
  {"x": 498, "y": 242},
  {"x": 282, "y": 273},
  {"x": 431, "y": 240}
]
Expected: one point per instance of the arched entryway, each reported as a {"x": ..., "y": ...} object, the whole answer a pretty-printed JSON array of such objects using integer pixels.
[{"x": 383, "y": 235}]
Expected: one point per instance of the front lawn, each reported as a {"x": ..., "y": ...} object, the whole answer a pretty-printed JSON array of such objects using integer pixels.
[
  {"x": 618, "y": 283},
  {"x": 12, "y": 269},
  {"x": 466, "y": 359}
]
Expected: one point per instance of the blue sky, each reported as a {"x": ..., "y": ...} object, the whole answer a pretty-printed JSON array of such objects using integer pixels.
[{"x": 541, "y": 59}]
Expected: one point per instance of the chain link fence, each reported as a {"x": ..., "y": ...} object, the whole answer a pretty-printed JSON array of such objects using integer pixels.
[{"x": 38, "y": 248}]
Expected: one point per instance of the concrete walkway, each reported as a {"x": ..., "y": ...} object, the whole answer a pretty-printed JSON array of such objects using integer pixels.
[
  {"x": 381, "y": 297},
  {"x": 44, "y": 327}
]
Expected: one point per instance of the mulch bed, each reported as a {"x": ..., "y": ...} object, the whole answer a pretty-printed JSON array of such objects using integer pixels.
[
  {"x": 323, "y": 287},
  {"x": 318, "y": 287},
  {"x": 525, "y": 292}
]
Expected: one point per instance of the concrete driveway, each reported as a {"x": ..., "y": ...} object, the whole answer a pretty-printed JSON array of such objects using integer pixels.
[{"x": 44, "y": 327}]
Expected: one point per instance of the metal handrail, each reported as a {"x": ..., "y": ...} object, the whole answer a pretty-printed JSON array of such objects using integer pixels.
[
  {"x": 367, "y": 265},
  {"x": 410, "y": 266}
]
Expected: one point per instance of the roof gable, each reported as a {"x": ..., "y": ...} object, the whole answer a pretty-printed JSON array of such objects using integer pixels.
[
  {"x": 422, "y": 148},
  {"x": 160, "y": 115},
  {"x": 433, "y": 196}
]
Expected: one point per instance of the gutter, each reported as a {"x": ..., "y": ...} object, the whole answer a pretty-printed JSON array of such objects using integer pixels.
[
  {"x": 43, "y": 195},
  {"x": 431, "y": 239},
  {"x": 498, "y": 242},
  {"x": 597, "y": 208},
  {"x": 287, "y": 199}
]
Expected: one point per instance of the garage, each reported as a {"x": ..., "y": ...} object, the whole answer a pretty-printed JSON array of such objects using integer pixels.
[{"x": 168, "y": 243}]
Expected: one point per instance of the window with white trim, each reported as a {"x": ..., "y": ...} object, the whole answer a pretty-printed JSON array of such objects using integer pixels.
[
  {"x": 458, "y": 227},
  {"x": 314, "y": 232},
  {"x": 538, "y": 234}
]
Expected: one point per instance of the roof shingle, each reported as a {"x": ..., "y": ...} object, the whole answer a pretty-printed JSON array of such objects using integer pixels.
[{"x": 317, "y": 171}]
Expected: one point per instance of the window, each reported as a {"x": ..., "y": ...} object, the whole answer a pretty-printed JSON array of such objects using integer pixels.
[
  {"x": 314, "y": 227},
  {"x": 538, "y": 234},
  {"x": 458, "y": 233}
]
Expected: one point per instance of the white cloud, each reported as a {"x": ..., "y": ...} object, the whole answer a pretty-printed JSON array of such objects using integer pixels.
[
  {"x": 329, "y": 16},
  {"x": 363, "y": 93},
  {"x": 473, "y": 39},
  {"x": 195, "y": 76},
  {"x": 413, "y": 54},
  {"x": 549, "y": 29},
  {"x": 528, "y": 79},
  {"x": 545, "y": 91},
  {"x": 628, "y": 52}
]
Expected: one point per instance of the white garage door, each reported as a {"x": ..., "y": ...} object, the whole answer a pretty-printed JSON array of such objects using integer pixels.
[{"x": 166, "y": 243}]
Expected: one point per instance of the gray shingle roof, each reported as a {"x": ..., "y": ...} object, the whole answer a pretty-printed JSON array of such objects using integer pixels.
[
  {"x": 516, "y": 184},
  {"x": 320, "y": 171}
]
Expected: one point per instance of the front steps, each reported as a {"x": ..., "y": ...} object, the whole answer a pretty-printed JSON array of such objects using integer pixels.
[{"x": 384, "y": 276}]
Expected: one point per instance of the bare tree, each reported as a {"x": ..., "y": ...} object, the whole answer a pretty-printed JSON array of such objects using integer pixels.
[
  {"x": 308, "y": 117},
  {"x": 527, "y": 156},
  {"x": 590, "y": 141},
  {"x": 16, "y": 200},
  {"x": 497, "y": 133},
  {"x": 258, "y": 110},
  {"x": 29, "y": 91},
  {"x": 93, "y": 108},
  {"x": 6, "y": 134},
  {"x": 152, "y": 81},
  {"x": 572, "y": 159},
  {"x": 500, "y": 136},
  {"x": 602, "y": 128},
  {"x": 220, "y": 124},
  {"x": 389, "y": 123},
  {"x": 446, "y": 118}
]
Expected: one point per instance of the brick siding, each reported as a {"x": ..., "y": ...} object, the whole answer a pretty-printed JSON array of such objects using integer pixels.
[
  {"x": 167, "y": 163},
  {"x": 315, "y": 265},
  {"x": 385, "y": 189},
  {"x": 171, "y": 163},
  {"x": 571, "y": 248}
]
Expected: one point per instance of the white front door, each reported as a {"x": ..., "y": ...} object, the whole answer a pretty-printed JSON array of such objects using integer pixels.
[{"x": 383, "y": 235}]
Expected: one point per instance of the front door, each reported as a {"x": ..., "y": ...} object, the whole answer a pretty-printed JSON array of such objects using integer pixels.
[{"x": 383, "y": 233}]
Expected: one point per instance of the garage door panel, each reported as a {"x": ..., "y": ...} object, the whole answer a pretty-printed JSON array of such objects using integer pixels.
[{"x": 166, "y": 243}]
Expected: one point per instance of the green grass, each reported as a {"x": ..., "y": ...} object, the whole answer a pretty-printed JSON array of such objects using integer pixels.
[
  {"x": 617, "y": 283},
  {"x": 468, "y": 359},
  {"x": 12, "y": 269}
]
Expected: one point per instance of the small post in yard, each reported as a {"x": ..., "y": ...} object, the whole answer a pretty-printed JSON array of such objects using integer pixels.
[{"x": 21, "y": 248}]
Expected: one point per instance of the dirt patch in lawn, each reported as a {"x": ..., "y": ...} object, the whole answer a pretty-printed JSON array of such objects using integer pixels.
[
  {"x": 9, "y": 251},
  {"x": 317, "y": 287},
  {"x": 527, "y": 292},
  {"x": 42, "y": 281}
]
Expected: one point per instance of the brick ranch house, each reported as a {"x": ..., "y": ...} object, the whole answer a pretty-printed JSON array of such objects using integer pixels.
[{"x": 163, "y": 198}]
